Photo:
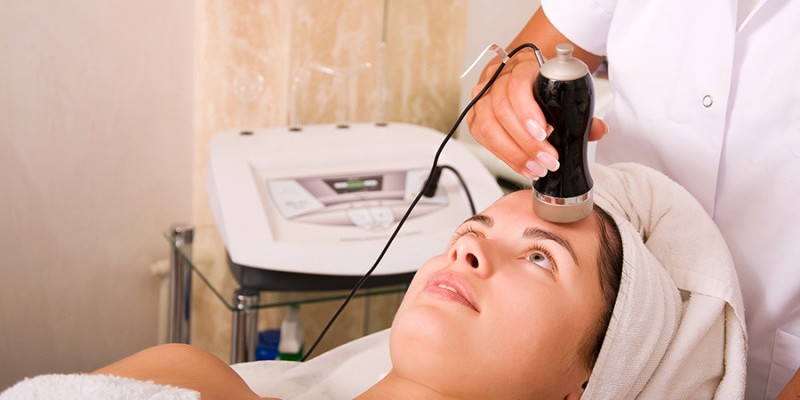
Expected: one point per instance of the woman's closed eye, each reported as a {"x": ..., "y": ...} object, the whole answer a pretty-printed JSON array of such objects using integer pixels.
[
  {"x": 542, "y": 258},
  {"x": 465, "y": 230}
]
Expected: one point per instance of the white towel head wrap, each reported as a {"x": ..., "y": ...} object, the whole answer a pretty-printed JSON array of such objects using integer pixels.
[{"x": 677, "y": 330}]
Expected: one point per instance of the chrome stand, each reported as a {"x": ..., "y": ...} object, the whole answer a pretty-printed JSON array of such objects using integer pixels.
[
  {"x": 180, "y": 285},
  {"x": 244, "y": 333}
]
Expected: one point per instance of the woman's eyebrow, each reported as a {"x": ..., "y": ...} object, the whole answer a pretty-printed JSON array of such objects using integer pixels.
[
  {"x": 541, "y": 234},
  {"x": 482, "y": 219}
]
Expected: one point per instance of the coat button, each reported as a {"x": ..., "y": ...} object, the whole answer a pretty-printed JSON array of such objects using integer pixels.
[{"x": 708, "y": 101}]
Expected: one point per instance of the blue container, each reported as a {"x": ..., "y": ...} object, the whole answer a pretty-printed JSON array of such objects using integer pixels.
[{"x": 267, "y": 348}]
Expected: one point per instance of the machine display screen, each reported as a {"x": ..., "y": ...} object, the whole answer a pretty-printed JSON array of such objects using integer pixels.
[{"x": 356, "y": 184}]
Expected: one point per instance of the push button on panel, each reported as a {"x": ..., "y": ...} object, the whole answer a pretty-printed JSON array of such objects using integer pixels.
[
  {"x": 360, "y": 217},
  {"x": 382, "y": 216},
  {"x": 371, "y": 218},
  {"x": 292, "y": 199}
]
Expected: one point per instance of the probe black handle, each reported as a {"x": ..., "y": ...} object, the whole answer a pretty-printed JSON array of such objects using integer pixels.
[{"x": 568, "y": 107}]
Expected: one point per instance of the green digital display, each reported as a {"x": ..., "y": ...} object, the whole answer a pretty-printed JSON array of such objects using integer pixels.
[{"x": 356, "y": 184}]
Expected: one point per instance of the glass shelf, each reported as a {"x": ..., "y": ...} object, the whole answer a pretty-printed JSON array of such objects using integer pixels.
[
  {"x": 201, "y": 282},
  {"x": 204, "y": 253}
]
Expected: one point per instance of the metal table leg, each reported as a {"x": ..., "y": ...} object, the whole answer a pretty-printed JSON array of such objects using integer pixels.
[
  {"x": 180, "y": 285},
  {"x": 244, "y": 333}
]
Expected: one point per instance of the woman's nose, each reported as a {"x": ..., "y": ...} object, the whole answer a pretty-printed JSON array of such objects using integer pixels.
[{"x": 468, "y": 252}]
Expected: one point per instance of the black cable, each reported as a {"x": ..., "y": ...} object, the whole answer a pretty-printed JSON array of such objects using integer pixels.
[
  {"x": 419, "y": 195},
  {"x": 464, "y": 185}
]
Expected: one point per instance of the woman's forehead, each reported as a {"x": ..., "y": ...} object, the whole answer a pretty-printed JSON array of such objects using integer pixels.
[
  {"x": 516, "y": 206},
  {"x": 515, "y": 200},
  {"x": 516, "y": 209}
]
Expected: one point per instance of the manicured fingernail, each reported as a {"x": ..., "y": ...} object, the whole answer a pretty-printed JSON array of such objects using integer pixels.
[
  {"x": 605, "y": 127},
  {"x": 534, "y": 168},
  {"x": 547, "y": 160},
  {"x": 535, "y": 130}
]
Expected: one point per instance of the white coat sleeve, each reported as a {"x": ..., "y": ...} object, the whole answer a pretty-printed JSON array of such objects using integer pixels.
[{"x": 584, "y": 22}]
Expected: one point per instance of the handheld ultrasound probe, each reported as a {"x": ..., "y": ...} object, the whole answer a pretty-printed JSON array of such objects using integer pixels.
[{"x": 565, "y": 93}]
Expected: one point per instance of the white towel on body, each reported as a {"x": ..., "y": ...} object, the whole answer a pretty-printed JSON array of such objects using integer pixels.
[
  {"x": 341, "y": 373},
  {"x": 677, "y": 330},
  {"x": 93, "y": 387}
]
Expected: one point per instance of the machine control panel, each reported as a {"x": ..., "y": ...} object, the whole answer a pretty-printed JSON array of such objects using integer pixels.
[{"x": 371, "y": 201}]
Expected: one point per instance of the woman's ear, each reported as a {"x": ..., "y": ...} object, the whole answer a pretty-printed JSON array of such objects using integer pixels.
[{"x": 577, "y": 393}]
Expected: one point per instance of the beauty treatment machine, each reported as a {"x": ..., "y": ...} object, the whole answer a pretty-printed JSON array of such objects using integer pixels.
[{"x": 312, "y": 209}]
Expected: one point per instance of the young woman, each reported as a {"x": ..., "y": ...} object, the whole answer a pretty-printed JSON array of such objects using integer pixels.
[{"x": 515, "y": 307}]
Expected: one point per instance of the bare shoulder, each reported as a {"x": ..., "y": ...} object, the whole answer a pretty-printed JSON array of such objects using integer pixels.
[{"x": 183, "y": 366}]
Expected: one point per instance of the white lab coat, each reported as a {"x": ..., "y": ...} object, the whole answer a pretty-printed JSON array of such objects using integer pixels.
[{"x": 716, "y": 107}]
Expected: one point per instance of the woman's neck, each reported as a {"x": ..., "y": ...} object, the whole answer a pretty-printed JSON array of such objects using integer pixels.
[{"x": 393, "y": 386}]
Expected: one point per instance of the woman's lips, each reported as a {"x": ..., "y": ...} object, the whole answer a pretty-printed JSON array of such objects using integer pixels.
[{"x": 452, "y": 287}]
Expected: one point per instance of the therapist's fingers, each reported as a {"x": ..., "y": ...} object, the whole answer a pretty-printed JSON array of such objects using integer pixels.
[
  {"x": 487, "y": 131},
  {"x": 598, "y": 130},
  {"x": 528, "y": 114},
  {"x": 495, "y": 124}
]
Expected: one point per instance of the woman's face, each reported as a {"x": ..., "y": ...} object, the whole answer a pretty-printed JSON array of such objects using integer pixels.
[{"x": 505, "y": 310}]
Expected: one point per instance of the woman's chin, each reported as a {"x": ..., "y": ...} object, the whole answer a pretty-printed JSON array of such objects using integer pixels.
[
  {"x": 425, "y": 344},
  {"x": 427, "y": 329}
]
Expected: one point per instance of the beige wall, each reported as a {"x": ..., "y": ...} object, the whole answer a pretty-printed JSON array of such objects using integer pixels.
[
  {"x": 106, "y": 112},
  {"x": 95, "y": 162}
]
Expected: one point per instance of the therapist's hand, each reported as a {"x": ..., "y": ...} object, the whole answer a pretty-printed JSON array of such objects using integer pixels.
[{"x": 508, "y": 122}]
